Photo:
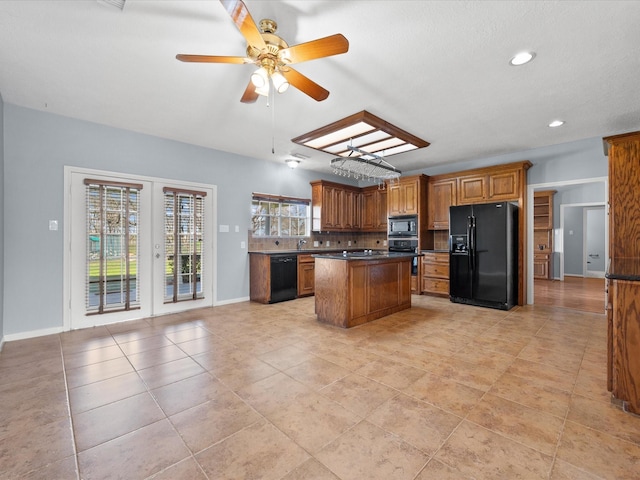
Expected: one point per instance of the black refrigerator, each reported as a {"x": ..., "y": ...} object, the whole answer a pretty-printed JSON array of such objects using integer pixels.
[{"x": 483, "y": 255}]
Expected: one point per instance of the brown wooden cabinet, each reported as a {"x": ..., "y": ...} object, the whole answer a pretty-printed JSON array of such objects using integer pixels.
[
  {"x": 404, "y": 196},
  {"x": 352, "y": 292},
  {"x": 472, "y": 189},
  {"x": 306, "y": 275},
  {"x": 498, "y": 186},
  {"x": 342, "y": 208},
  {"x": 623, "y": 310},
  {"x": 624, "y": 200},
  {"x": 335, "y": 207},
  {"x": 374, "y": 209},
  {"x": 543, "y": 234},
  {"x": 441, "y": 195},
  {"x": 435, "y": 273}
]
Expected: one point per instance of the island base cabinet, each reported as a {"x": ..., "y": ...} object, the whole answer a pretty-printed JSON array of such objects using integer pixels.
[
  {"x": 350, "y": 293},
  {"x": 624, "y": 342}
]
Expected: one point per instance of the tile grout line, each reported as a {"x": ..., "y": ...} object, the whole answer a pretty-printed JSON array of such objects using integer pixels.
[{"x": 66, "y": 389}]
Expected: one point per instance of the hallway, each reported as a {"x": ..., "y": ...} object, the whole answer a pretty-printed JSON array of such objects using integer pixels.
[{"x": 577, "y": 293}]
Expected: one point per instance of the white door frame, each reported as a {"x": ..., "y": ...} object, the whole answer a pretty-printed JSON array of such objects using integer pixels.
[
  {"x": 209, "y": 288},
  {"x": 561, "y": 232},
  {"x": 549, "y": 186}
]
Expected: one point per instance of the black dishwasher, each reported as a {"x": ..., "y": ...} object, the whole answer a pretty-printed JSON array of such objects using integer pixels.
[{"x": 284, "y": 277}]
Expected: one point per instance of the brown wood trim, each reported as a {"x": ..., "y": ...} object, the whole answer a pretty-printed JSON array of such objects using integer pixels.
[
  {"x": 91, "y": 181},
  {"x": 621, "y": 137},
  {"x": 182, "y": 190},
  {"x": 365, "y": 117},
  {"x": 280, "y": 198},
  {"x": 524, "y": 164}
]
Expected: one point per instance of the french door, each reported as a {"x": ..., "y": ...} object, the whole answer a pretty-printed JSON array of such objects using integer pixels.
[{"x": 136, "y": 247}]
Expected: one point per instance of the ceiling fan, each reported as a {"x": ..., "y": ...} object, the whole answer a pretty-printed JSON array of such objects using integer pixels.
[{"x": 273, "y": 56}]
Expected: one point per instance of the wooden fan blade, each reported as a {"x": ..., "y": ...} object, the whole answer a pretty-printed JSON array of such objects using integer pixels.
[
  {"x": 304, "y": 84},
  {"x": 250, "y": 95},
  {"x": 212, "y": 59},
  {"x": 242, "y": 18},
  {"x": 323, "y": 47}
]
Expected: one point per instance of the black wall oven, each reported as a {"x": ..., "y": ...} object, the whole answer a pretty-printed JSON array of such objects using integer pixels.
[{"x": 406, "y": 245}]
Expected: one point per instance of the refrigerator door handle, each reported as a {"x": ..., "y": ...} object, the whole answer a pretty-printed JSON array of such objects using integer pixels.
[{"x": 472, "y": 242}]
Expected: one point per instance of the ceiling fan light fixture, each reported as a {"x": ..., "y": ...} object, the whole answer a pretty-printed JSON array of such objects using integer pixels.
[
  {"x": 292, "y": 163},
  {"x": 279, "y": 82},
  {"x": 264, "y": 90},
  {"x": 260, "y": 78}
]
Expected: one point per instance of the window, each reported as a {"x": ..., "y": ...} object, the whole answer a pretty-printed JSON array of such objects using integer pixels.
[
  {"x": 112, "y": 213},
  {"x": 184, "y": 230},
  {"x": 276, "y": 216}
]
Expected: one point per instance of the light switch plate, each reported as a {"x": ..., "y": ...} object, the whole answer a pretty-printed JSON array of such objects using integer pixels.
[
  {"x": 224, "y": 228},
  {"x": 53, "y": 225}
]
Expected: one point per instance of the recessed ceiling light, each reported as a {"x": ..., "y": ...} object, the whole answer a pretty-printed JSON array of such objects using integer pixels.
[
  {"x": 556, "y": 123},
  {"x": 522, "y": 58}
]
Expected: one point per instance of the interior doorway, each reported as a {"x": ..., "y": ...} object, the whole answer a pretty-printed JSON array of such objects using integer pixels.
[{"x": 558, "y": 290}]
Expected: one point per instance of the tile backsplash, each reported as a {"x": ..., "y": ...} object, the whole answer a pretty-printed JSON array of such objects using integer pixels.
[{"x": 326, "y": 241}]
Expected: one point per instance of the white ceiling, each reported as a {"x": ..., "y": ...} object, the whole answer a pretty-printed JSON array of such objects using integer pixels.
[{"x": 438, "y": 69}]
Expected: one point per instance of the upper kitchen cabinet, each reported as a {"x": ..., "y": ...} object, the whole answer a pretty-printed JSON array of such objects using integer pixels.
[
  {"x": 624, "y": 201},
  {"x": 495, "y": 185},
  {"x": 335, "y": 207},
  {"x": 442, "y": 194},
  {"x": 374, "y": 209},
  {"x": 407, "y": 196}
]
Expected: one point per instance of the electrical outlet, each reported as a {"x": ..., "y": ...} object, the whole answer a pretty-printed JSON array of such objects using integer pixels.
[
  {"x": 328, "y": 243},
  {"x": 316, "y": 244},
  {"x": 349, "y": 243},
  {"x": 384, "y": 242}
]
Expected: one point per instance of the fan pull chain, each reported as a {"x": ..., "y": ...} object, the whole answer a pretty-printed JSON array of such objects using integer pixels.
[{"x": 273, "y": 117}]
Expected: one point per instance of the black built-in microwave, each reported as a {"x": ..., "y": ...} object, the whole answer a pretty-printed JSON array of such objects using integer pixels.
[{"x": 403, "y": 226}]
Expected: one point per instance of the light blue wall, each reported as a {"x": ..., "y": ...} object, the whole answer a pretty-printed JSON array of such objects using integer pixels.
[
  {"x": 1, "y": 220},
  {"x": 555, "y": 163},
  {"x": 37, "y": 147}
]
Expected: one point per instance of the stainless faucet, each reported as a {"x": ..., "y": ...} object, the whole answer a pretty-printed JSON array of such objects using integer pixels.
[{"x": 301, "y": 242}]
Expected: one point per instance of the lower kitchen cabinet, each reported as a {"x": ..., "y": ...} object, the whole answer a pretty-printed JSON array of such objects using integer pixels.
[
  {"x": 306, "y": 275},
  {"x": 435, "y": 273},
  {"x": 623, "y": 316},
  {"x": 541, "y": 265}
]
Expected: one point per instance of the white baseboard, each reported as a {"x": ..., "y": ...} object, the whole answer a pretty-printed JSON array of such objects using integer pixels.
[
  {"x": 32, "y": 334},
  {"x": 233, "y": 300},
  {"x": 54, "y": 330}
]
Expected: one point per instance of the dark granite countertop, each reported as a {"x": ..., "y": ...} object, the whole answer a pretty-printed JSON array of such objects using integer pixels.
[
  {"x": 307, "y": 251},
  {"x": 624, "y": 269},
  {"x": 374, "y": 255}
]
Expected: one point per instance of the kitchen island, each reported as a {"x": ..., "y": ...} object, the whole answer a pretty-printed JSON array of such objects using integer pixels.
[{"x": 353, "y": 288}]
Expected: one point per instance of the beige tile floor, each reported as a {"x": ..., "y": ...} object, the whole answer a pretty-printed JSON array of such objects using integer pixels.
[{"x": 250, "y": 391}]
